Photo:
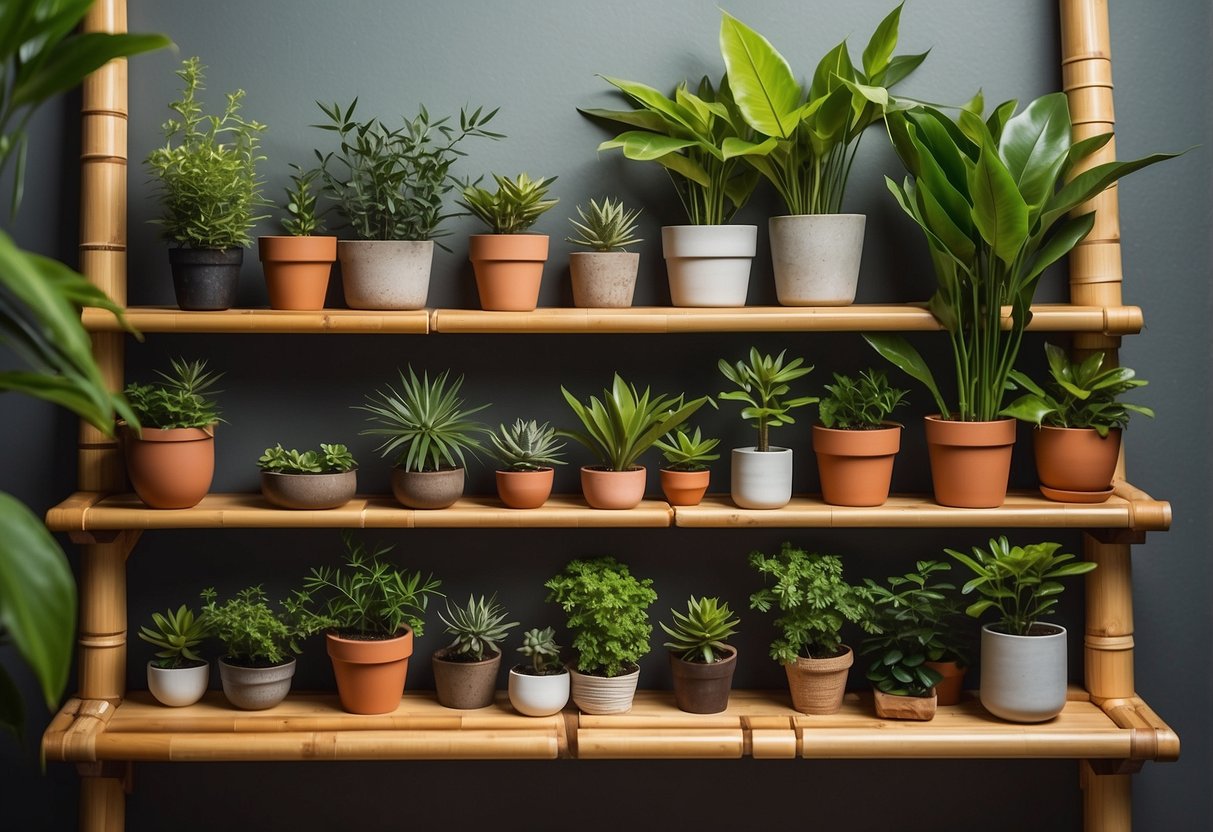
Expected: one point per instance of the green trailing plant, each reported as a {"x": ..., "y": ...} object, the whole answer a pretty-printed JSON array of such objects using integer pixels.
[
  {"x": 303, "y": 216},
  {"x": 252, "y": 632},
  {"x": 814, "y": 601},
  {"x": 863, "y": 404},
  {"x": 764, "y": 382},
  {"x": 206, "y": 171},
  {"x": 698, "y": 635},
  {"x": 699, "y": 138},
  {"x": 1020, "y": 583},
  {"x": 514, "y": 207},
  {"x": 425, "y": 424},
  {"x": 687, "y": 451},
  {"x": 330, "y": 459},
  {"x": 607, "y": 614},
  {"x": 479, "y": 627},
  {"x": 625, "y": 423},
  {"x": 993, "y": 197},
  {"x": 541, "y": 648},
  {"x": 1082, "y": 394},
  {"x": 181, "y": 400},
  {"x": 527, "y": 446},
  {"x": 816, "y": 131},
  {"x": 177, "y": 634},
  {"x": 392, "y": 183},
  {"x": 606, "y": 226}
]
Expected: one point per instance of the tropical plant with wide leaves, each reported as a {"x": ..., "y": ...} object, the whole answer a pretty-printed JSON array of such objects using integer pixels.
[{"x": 993, "y": 197}]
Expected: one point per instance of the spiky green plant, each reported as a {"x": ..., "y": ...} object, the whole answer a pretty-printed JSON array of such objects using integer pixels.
[
  {"x": 763, "y": 384},
  {"x": 516, "y": 205},
  {"x": 330, "y": 459},
  {"x": 478, "y": 627},
  {"x": 541, "y": 648},
  {"x": 303, "y": 218},
  {"x": 699, "y": 634},
  {"x": 527, "y": 446},
  {"x": 176, "y": 634},
  {"x": 687, "y": 452},
  {"x": 606, "y": 226},
  {"x": 181, "y": 400}
]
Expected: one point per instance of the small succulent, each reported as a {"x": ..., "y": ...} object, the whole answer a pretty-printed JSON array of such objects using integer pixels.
[
  {"x": 699, "y": 633},
  {"x": 477, "y": 627},
  {"x": 606, "y": 226},
  {"x": 541, "y": 647},
  {"x": 330, "y": 459},
  {"x": 515, "y": 207},
  {"x": 302, "y": 219},
  {"x": 176, "y": 634},
  {"x": 687, "y": 452},
  {"x": 527, "y": 446}
]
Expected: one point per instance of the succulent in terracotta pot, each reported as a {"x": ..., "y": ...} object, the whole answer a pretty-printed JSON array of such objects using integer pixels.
[
  {"x": 528, "y": 453},
  {"x": 297, "y": 265},
  {"x": 685, "y": 476}
]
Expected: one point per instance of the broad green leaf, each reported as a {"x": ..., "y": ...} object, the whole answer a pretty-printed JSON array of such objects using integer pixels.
[
  {"x": 1081, "y": 150},
  {"x": 834, "y": 66},
  {"x": 686, "y": 167},
  {"x": 898, "y": 351},
  {"x": 999, "y": 210},
  {"x": 761, "y": 81},
  {"x": 733, "y": 147},
  {"x": 644, "y": 119},
  {"x": 1029, "y": 408},
  {"x": 642, "y": 146},
  {"x": 880, "y": 46},
  {"x": 898, "y": 69},
  {"x": 75, "y": 58},
  {"x": 652, "y": 99},
  {"x": 1034, "y": 146},
  {"x": 1091, "y": 182}
]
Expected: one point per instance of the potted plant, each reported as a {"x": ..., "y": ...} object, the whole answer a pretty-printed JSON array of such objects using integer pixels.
[
  {"x": 171, "y": 459},
  {"x": 607, "y": 614},
  {"x": 390, "y": 185},
  {"x": 427, "y": 428},
  {"x": 855, "y": 442},
  {"x": 700, "y": 661},
  {"x": 508, "y": 262},
  {"x": 604, "y": 276},
  {"x": 370, "y": 613},
  {"x": 992, "y": 233},
  {"x": 178, "y": 676},
  {"x": 815, "y": 602},
  {"x": 465, "y": 671},
  {"x": 685, "y": 478},
  {"x": 320, "y": 479},
  {"x": 528, "y": 451},
  {"x": 1023, "y": 659},
  {"x": 207, "y": 184},
  {"x": 1078, "y": 423},
  {"x": 259, "y": 646},
  {"x": 540, "y": 688},
  {"x": 700, "y": 139},
  {"x": 619, "y": 428},
  {"x": 297, "y": 266},
  {"x": 816, "y": 249},
  {"x": 762, "y": 474}
]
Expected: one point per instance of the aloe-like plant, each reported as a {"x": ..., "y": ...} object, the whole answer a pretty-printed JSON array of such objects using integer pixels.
[
  {"x": 698, "y": 635},
  {"x": 527, "y": 446},
  {"x": 606, "y": 226},
  {"x": 330, "y": 459},
  {"x": 303, "y": 216},
  {"x": 687, "y": 451},
  {"x": 541, "y": 648},
  {"x": 763, "y": 383},
  {"x": 177, "y": 633},
  {"x": 479, "y": 627},
  {"x": 514, "y": 207},
  {"x": 863, "y": 404}
]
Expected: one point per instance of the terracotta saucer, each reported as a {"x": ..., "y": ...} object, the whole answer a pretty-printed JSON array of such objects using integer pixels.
[{"x": 1063, "y": 496}]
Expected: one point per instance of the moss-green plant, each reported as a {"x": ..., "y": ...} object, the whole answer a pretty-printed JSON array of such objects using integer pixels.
[
  {"x": 177, "y": 634},
  {"x": 252, "y": 632},
  {"x": 698, "y": 635},
  {"x": 479, "y": 627},
  {"x": 606, "y": 226},
  {"x": 526, "y": 446},
  {"x": 181, "y": 400},
  {"x": 303, "y": 216},
  {"x": 863, "y": 404},
  {"x": 330, "y": 459},
  {"x": 607, "y": 614},
  {"x": 514, "y": 207},
  {"x": 763, "y": 385},
  {"x": 687, "y": 451},
  {"x": 541, "y": 648}
]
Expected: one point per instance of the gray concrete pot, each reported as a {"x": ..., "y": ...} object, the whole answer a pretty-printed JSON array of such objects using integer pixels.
[
  {"x": 761, "y": 479},
  {"x": 204, "y": 278},
  {"x": 385, "y": 274},
  {"x": 427, "y": 489},
  {"x": 1023, "y": 678},
  {"x": 465, "y": 685},
  {"x": 816, "y": 258},
  {"x": 309, "y": 491},
  {"x": 603, "y": 279},
  {"x": 709, "y": 265},
  {"x": 256, "y": 688}
]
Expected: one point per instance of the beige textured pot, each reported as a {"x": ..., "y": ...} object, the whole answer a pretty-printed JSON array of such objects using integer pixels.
[
  {"x": 603, "y": 279},
  {"x": 385, "y": 274},
  {"x": 465, "y": 685},
  {"x": 427, "y": 489},
  {"x": 889, "y": 706},
  {"x": 603, "y": 694},
  {"x": 817, "y": 685},
  {"x": 309, "y": 491}
]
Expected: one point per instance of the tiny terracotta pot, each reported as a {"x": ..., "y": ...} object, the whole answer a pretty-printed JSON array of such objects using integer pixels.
[
  {"x": 170, "y": 468},
  {"x": 701, "y": 688},
  {"x": 1076, "y": 459},
  {"x": 970, "y": 461},
  {"x": 509, "y": 269},
  {"x": 684, "y": 488},
  {"x": 297, "y": 270},
  {"x": 465, "y": 685},
  {"x": 889, "y": 706},
  {"x": 603, "y": 279},
  {"x": 370, "y": 672},
  {"x": 817, "y": 685},
  {"x": 603, "y": 694},
  {"x": 427, "y": 489},
  {"x": 948, "y": 689},
  {"x": 608, "y": 489},
  {"x": 309, "y": 491},
  {"x": 856, "y": 466},
  {"x": 525, "y": 489}
]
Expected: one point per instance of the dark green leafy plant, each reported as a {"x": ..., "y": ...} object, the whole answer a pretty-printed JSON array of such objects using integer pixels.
[
  {"x": 330, "y": 459},
  {"x": 516, "y": 205},
  {"x": 607, "y": 226},
  {"x": 764, "y": 382},
  {"x": 206, "y": 172},
  {"x": 865, "y": 404},
  {"x": 607, "y": 613},
  {"x": 303, "y": 217},
  {"x": 541, "y": 648},
  {"x": 176, "y": 634},
  {"x": 478, "y": 627},
  {"x": 253, "y": 634},
  {"x": 698, "y": 635},
  {"x": 687, "y": 452},
  {"x": 181, "y": 400},
  {"x": 527, "y": 446}
]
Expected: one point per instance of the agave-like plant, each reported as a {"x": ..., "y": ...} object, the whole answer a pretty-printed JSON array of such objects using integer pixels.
[
  {"x": 687, "y": 451},
  {"x": 527, "y": 446},
  {"x": 699, "y": 634},
  {"x": 176, "y": 633},
  {"x": 541, "y": 648},
  {"x": 478, "y": 627},
  {"x": 516, "y": 205},
  {"x": 606, "y": 226}
]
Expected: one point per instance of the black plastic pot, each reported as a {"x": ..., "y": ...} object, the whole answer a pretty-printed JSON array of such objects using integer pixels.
[{"x": 205, "y": 279}]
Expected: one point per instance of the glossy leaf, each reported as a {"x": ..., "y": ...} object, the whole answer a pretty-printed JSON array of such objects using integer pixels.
[
  {"x": 763, "y": 86},
  {"x": 899, "y": 352},
  {"x": 1034, "y": 146},
  {"x": 999, "y": 210}
]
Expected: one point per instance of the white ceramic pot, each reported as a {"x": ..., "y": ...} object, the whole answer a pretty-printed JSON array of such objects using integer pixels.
[
  {"x": 709, "y": 265},
  {"x": 1023, "y": 678},
  {"x": 178, "y": 686},
  {"x": 815, "y": 258},
  {"x": 603, "y": 694},
  {"x": 603, "y": 279},
  {"x": 762, "y": 479},
  {"x": 256, "y": 688},
  {"x": 539, "y": 695},
  {"x": 385, "y": 274}
]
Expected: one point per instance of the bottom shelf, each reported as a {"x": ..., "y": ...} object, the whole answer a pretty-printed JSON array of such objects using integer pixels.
[{"x": 759, "y": 724}]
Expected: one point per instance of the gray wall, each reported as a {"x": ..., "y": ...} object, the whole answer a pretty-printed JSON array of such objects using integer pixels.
[{"x": 538, "y": 62}]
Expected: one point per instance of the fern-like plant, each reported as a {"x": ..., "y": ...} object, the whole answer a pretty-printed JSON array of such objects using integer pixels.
[
  {"x": 541, "y": 648},
  {"x": 303, "y": 216},
  {"x": 252, "y": 632},
  {"x": 516, "y": 205},
  {"x": 181, "y": 400},
  {"x": 606, "y": 226},
  {"x": 527, "y": 446},
  {"x": 607, "y": 614},
  {"x": 478, "y": 627},
  {"x": 177, "y": 634},
  {"x": 863, "y": 404},
  {"x": 698, "y": 635}
]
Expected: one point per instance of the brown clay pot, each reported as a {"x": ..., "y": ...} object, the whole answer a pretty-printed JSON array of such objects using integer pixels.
[
  {"x": 948, "y": 689},
  {"x": 427, "y": 489},
  {"x": 297, "y": 270},
  {"x": 613, "y": 489},
  {"x": 170, "y": 468},
  {"x": 465, "y": 685},
  {"x": 970, "y": 461},
  {"x": 817, "y": 685},
  {"x": 889, "y": 706},
  {"x": 370, "y": 672},
  {"x": 703, "y": 688},
  {"x": 684, "y": 488},
  {"x": 509, "y": 269},
  {"x": 1076, "y": 459},
  {"x": 525, "y": 489},
  {"x": 856, "y": 466}
]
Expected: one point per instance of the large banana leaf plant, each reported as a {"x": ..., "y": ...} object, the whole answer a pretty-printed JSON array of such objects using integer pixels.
[
  {"x": 816, "y": 132},
  {"x": 41, "y": 56},
  {"x": 993, "y": 197}
]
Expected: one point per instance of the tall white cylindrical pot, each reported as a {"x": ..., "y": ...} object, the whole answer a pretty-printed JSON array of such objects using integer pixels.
[
  {"x": 604, "y": 694},
  {"x": 761, "y": 479},
  {"x": 816, "y": 257},
  {"x": 1023, "y": 678},
  {"x": 178, "y": 686},
  {"x": 385, "y": 274},
  {"x": 539, "y": 695},
  {"x": 709, "y": 265}
]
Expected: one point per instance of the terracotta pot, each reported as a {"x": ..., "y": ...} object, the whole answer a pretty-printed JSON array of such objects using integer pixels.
[
  {"x": 948, "y": 690},
  {"x": 170, "y": 468},
  {"x": 603, "y": 694},
  {"x": 538, "y": 695},
  {"x": 465, "y": 685},
  {"x": 370, "y": 672},
  {"x": 856, "y": 466},
  {"x": 509, "y": 269},
  {"x": 761, "y": 479},
  {"x": 205, "y": 279},
  {"x": 525, "y": 489},
  {"x": 970, "y": 461},
  {"x": 684, "y": 488},
  {"x": 815, "y": 258},
  {"x": 817, "y": 685},
  {"x": 309, "y": 491},
  {"x": 385, "y": 274},
  {"x": 256, "y": 688},
  {"x": 890, "y": 706},
  {"x": 613, "y": 489},
  {"x": 1076, "y": 459},
  {"x": 603, "y": 279},
  {"x": 1023, "y": 678},
  {"x": 178, "y": 686},
  {"x": 427, "y": 489},
  {"x": 297, "y": 270},
  {"x": 703, "y": 688}
]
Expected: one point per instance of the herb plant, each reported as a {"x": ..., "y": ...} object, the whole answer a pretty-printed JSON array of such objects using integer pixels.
[
  {"x": 516, "y": 205},
  {"x": 865, "y": 404},
  {"x": 699, "y": 634},
  {"x": 541, "y": 648},
  {"x": 763, "y": 384},
  {"x": 330, "y": 459},
  {"x": 527, "y": 446},
  {"x": 177, "y": 634},
  {"x": 607, "y": 226},
  {"x": 687, "y": 452},
  {"x": 252, "y": 632},
  {"x": 303, "y": 218},
  {"x": 478, "y": 627},
  {"x": 607, "y": 613},
  {"x": 181, "y": 400}
]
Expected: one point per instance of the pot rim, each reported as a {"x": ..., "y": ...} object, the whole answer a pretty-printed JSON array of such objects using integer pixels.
[
  {"x": 440, "y": 654},
  {"x": 309, "y": 473},
  {"x": 332, "y": 636},
  {"x": 573, "y": 671},
  {"x": 1055, "y": 428},
  {"x": 1060, "y": 631},
  {"x": 753, "y": 449},
  {"x": 730, "y": 658},
  {"x": 205, "y": 663},
  {"x": 400, "y": 469},
  {"x": 170, "y": 434},
  {"x": 712, "y": 225},
  {"x": 564, "y": 671},
  {"x": 599, "y": 469},
  {"x": 936, "y": 417},
  {"x": 887, "y": 426},
  {"x": 542, "y": 470},
  {"x": 223, "y": 660},
  {"x": 816, "y": 216}
]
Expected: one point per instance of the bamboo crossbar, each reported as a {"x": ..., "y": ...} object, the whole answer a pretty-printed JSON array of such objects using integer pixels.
[{"x": 263, "y": 321}]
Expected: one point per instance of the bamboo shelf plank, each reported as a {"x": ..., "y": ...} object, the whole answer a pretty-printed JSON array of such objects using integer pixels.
[{"x": 277, "y": 321}]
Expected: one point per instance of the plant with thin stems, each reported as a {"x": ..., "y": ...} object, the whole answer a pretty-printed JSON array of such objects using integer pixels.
[
  {"x": 252, "y": 632},
  {"x": 181, "y": 400},
  {"x": 303, "y": 217},
  {"x": 764, "y": 382},
  {"x": 863, "y": 404}
]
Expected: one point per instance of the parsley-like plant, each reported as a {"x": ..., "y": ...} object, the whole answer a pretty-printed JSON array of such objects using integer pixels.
[
  {"x": 253, "y": 633},
  {"x": 863, "y": 404},
  {"x": 607, "y": 614}
]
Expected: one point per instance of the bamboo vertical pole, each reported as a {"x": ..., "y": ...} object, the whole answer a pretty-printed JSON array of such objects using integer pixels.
[{"x": 1106, "y": 801}]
